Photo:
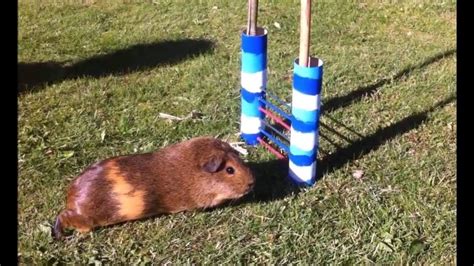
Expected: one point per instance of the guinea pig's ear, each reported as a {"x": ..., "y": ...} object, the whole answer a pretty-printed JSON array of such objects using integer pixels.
[{"x": 213, "y": 163}]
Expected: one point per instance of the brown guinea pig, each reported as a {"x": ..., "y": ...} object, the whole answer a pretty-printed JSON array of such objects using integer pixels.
[{"x": 199, "y": 173}]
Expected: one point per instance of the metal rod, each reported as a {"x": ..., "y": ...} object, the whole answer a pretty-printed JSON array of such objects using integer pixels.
[
  {"x": 283, "y": 136},
  {"x": 275, "y": 118},
  {"x": 274, "y": 97},
  {"x": 278, "y": 110},
  {"x": 271, "y": 149},
  {"x": 276, "y": 141}
]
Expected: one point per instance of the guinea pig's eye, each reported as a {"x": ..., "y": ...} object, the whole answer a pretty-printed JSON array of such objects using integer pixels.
[{"x": 230, "y": 170}]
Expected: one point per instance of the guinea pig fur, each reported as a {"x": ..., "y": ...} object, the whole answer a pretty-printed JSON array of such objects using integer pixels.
[{"x": 199, "y": 173}]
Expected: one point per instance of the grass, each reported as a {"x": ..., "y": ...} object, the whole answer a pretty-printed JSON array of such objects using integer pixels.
[{"x": 95, "y": 76}]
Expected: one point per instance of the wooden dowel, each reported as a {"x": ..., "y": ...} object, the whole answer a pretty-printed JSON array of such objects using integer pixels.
[
  {"x": 252, "y": 17},
  {"x": 305, "y": 31}
]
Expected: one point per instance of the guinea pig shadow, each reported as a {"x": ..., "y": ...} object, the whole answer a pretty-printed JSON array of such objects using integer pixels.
[{"x": 271, "y": 183}]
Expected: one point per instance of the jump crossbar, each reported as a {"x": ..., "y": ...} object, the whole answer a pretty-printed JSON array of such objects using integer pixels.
[
  {"x": 276, "y": 141},
  {"x": 275, "y": 108},
  {"x": 280, "y": 101},
  {"x": 275, "y": 118},
  {"x": 270, "y": 148},
  {"x": 283, "y": 136}
]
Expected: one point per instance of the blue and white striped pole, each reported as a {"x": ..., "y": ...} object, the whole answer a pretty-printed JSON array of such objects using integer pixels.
[
  {"x": 254, "y": 82},
  {"x": 305, "y": 110}
]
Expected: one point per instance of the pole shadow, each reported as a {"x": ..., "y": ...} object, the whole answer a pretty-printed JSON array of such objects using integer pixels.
[
  {"x": 356, "y": 95},
  {"x": 37, "y": 75},
  {"x": 273, "y": 183},
  {"x": 272, "y": 176},
  {"x": 359, "y": 148}
]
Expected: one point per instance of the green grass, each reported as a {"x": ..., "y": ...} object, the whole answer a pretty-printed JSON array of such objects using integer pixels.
[{"x": 388, "y": 90}]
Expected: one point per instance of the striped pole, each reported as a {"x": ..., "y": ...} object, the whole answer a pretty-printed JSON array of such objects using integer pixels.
[
  {"x": 305, "y": 108},
  {"x": 253, "y": 78}
]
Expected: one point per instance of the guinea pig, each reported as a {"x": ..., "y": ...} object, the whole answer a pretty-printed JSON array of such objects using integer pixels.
[{"x": 199, "y": 173}]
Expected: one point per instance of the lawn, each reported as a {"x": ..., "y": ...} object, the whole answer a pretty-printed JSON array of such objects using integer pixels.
[{"x": 95, "y": 76}]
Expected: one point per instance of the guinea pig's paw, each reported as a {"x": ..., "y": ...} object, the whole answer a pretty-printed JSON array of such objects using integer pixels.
[{"x": 83, "y": 236}]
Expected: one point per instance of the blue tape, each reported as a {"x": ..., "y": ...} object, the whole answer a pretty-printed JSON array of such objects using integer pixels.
[
  {"x": 251, "y": 108},
  {"x": 308, "y": 72},
  {"x": 300, "y": 182},
  {"x": 253, "y": 63},
  {"x": 303, "y": 126},
  {"x": 297, "y": 151},
  {"x": 306, "y": 85},
  {"x": 250, "y": 139},
  {"x": 254, "y": 44},
  {"x": 305, "y": 115},
  {"x": 302, "y": 160},
  {"x": 250, "y": 96}
]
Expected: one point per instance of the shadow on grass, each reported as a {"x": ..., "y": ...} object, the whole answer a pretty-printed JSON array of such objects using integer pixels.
[
  {"x": 356, "y": 95},
  {"x": 359, "y": 148},
  {"x": 272, "y": 182},
  {"x": 272, "y": 176},
  {"x": 34, "y": 76}
]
